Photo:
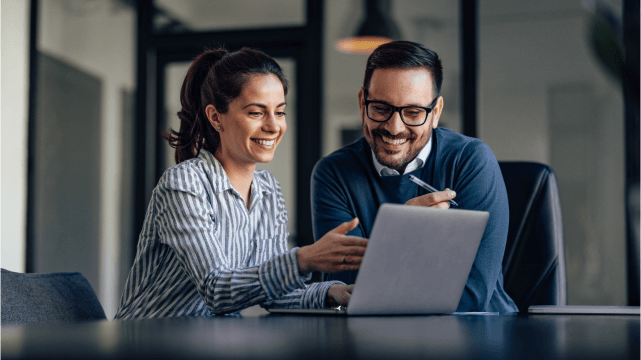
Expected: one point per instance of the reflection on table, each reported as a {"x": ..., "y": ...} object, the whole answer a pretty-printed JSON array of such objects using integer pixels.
[{"x": 333, "y": 337}]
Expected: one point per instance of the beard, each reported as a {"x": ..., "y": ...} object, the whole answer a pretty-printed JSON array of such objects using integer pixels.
[{"x": 386, "y": 157}]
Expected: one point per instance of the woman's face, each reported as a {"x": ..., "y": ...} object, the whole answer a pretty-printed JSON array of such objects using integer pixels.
[{"x": 255, "y": 123}]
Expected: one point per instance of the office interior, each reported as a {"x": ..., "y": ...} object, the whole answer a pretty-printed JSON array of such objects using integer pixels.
[{"x": 81, "y": 154}]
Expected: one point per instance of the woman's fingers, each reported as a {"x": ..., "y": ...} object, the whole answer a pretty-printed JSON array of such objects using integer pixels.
[
  {"x": 334, "y": 252},
  {"x": 338, "y": 295},
  {"x": 351, "y": 260},
  {"x": 352, "y": 245},
  {"x": 345, "y": 227}
]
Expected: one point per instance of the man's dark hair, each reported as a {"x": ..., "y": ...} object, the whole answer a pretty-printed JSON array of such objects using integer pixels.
[{"x": 405, "y": 55}]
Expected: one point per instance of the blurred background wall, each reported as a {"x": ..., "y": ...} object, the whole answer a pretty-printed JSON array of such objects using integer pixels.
[{"x": 542, "y": 96}]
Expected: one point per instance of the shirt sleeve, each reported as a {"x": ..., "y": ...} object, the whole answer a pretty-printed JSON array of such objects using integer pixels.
[
  {"x": 331, "y": 207},
  {"x": 185, "y": 222},
  {"x": 479, "y": 186}
]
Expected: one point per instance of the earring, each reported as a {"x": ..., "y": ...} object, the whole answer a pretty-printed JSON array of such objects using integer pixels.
[{"x": 218, "y": 128}]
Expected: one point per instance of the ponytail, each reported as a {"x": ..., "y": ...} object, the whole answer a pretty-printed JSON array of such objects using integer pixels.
[{"x": 195, "y": 130}]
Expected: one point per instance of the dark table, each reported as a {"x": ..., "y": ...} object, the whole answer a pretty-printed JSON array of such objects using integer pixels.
[{"x": 332, "y": 337}]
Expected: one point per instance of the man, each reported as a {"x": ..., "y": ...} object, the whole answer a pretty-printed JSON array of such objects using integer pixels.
[{"x": 400, "y": 106}]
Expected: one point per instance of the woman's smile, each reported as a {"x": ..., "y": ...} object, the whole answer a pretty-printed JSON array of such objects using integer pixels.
[{"x": 266, "y": 143}]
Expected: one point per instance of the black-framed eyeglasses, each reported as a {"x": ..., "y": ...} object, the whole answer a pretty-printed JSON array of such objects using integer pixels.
[{"x": 410, "y": 115}]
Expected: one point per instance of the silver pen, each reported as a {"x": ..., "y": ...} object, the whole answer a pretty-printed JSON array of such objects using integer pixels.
[{"x": 427, "y": 187}]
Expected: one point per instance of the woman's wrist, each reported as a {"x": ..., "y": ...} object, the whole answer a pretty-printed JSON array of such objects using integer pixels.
[
  {"x": 303, "y": 265},
  {"x": 330, "y": 300}
]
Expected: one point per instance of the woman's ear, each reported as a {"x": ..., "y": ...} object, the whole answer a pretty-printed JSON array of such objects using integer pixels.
[{"x": 214, "y": 117}]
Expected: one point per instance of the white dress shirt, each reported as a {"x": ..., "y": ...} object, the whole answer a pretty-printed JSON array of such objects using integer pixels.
[{"x": 417, "y": 163}]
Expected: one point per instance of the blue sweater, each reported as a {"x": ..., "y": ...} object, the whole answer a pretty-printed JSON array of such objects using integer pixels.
[{"x": 345, "y": 185}]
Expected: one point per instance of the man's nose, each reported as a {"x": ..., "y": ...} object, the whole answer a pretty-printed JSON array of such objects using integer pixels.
[{"x": 395, "y": 124}]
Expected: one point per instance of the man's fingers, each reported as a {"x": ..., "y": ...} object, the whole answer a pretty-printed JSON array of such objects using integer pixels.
[
  {"x": 436, "y": 199},
  {"x": 345, "y": 227},
  {"x": 442, "y": 205},
  {"x": 441, "y": 196}
]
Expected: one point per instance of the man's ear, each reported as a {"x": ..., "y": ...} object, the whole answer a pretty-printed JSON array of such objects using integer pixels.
[
  {"x": 213, "y": 116},
  {"x": 361, "y": 102},
  {"x": 436, "y": 112}
]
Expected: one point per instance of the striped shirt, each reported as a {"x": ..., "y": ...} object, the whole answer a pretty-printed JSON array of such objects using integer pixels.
[{"x": 202, "y": 252}]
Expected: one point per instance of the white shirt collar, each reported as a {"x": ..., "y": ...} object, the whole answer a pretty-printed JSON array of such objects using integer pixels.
[{"x": 417, "y": 163}]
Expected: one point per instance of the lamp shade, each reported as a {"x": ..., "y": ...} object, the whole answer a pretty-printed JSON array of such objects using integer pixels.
[{"x": 376, "y": 29}]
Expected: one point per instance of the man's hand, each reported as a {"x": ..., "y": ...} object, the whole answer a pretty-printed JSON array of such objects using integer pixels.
[
  {"x": 437, "y": 199},
  {"x": 334, "y": 252},
  {"x": 338, "y": 295}
]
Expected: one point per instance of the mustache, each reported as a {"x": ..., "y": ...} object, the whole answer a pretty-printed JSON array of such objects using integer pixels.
[{"x": 387, "y": 134}]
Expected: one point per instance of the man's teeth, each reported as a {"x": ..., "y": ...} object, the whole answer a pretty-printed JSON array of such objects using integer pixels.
[
  {"x": 264, "y": 142},
  {"x": 393, "y": 142}
]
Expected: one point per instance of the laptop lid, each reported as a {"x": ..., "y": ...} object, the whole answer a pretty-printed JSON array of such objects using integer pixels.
[{"x": 417, "y": 260}]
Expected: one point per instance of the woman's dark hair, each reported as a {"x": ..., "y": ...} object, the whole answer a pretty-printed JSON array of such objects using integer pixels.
[
  {"x": 215, "y": 77},
  {"x": 405, "y": 55}
]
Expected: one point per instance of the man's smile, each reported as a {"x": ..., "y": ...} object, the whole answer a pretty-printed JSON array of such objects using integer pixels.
[{"x": 391, "y": 141}]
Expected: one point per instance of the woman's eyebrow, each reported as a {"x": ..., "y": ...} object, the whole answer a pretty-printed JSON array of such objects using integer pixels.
[{"x": 263, "y": 106}]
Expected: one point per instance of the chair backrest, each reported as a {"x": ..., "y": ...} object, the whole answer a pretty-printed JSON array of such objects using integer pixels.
[
  {"x": 534, "y": 261},
  {"x": 48, "y": 298}
]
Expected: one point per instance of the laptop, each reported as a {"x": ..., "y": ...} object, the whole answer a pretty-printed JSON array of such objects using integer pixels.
[
  {"x": 417, "y": 261},
  {"x": 584, "y": 309}
]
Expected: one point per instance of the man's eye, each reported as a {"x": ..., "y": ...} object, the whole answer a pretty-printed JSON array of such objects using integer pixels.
[
  {"x": 254, "y": 113},
  {"x": 381, "y": 109},
  {"x": 413, "y": 112},
  {"x": 280, "y": 113}
]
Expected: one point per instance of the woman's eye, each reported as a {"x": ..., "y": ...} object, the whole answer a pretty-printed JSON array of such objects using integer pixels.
[
  {"x": 254, "y": 113},
  {"x": 281, "y": 113}
]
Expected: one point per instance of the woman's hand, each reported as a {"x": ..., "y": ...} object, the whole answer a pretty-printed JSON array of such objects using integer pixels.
[
  {"x": 334, "y": 252},
  {"x": 338, "y": 295}
]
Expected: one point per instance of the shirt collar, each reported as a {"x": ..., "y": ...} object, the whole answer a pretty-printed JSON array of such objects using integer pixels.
[
  {"x": 418, "y": 162},
  {"x": 221, "y": 180}
]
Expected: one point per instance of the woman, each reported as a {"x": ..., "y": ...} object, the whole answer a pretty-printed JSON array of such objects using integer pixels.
[{"x": 214, "y": 239}]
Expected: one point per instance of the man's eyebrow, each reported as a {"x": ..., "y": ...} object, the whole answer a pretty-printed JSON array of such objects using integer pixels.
[
  {"x": 263, "y": 106},
  {"x": 387, "y": 103}
]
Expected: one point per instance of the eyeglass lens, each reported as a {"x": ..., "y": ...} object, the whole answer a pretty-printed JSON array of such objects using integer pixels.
[{"x": 382, "y": 112}]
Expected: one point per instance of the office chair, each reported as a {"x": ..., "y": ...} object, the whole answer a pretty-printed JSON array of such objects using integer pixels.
[
  {"x": 534, "y": 261},
  {"x": 48, "y": 298}
]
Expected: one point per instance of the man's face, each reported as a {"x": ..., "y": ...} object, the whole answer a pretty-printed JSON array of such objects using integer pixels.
[{"x": 394, "y": 143}]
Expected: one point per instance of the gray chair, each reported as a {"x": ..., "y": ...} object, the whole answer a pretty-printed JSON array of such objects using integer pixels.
[
  {"x": 534, "y": 261},
  {"x": 48, "y": 298}
]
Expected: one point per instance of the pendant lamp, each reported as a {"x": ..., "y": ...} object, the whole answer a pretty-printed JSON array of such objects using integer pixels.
[{"x": 376, "y": 29}]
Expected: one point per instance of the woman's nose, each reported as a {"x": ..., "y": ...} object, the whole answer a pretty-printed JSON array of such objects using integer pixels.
[{"x": 270, "y": 123}]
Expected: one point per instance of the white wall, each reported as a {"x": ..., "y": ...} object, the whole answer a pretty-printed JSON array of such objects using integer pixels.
[
  {"x": 14, "y": 119},
  {"x": 545, "y": 98},
  {"x": 99, "y": 38}
]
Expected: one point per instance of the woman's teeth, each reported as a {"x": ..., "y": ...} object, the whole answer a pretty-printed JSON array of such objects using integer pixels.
[
  {"x": 393, "y": 142},
  {"x": 264, "y": 142}
]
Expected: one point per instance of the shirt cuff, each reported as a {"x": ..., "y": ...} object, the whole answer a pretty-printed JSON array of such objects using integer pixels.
[
  {"x": 280, "y": 276},
  {"x": 315, "y": 295}
]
